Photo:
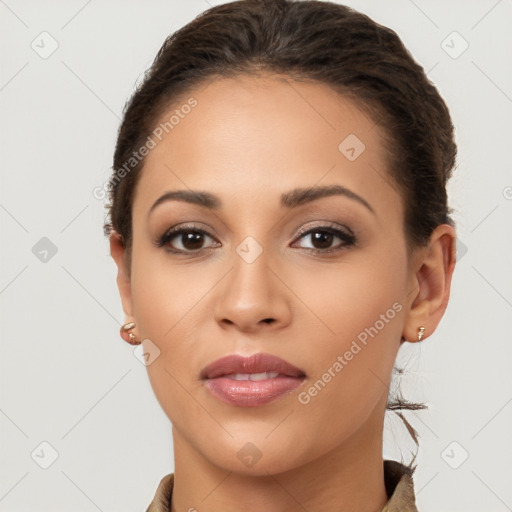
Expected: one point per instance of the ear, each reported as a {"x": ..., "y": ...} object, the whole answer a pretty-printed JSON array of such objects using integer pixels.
[
  {"x": 431, "y": 275},
  {"x": 118, "y": 252}
]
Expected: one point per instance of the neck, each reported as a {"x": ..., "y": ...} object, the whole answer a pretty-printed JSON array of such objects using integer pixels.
[{"x": 346, "y": 478}]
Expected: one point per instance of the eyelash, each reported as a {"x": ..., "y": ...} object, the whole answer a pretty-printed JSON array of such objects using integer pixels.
[{"x": 347, "y": 237}]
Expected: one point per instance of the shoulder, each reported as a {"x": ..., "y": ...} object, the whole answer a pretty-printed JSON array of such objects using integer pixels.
[{"x": 397, "y": 478}]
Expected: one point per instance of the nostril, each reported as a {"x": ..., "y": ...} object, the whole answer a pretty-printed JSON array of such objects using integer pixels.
[{"x": 268, "y": 320}]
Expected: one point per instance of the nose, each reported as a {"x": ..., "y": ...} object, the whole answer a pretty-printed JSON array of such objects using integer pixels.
[{"x": 253, "y": 297}]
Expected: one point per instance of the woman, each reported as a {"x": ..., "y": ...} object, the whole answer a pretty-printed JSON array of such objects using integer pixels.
[{"x": 280, "y": 225}]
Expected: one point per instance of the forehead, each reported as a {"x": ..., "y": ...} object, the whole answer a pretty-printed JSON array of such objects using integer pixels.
[{"x": 258, "y": 134}]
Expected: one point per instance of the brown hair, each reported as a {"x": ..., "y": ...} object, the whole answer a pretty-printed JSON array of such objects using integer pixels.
[{"x": 312, "y": 40}]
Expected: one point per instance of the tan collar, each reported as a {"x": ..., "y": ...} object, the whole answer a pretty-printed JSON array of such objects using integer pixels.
[
  {"x": 399, "y": 486},
  {"x": 397, "y": 477}
]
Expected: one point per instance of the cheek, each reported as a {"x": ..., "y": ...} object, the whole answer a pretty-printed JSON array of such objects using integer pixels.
[
  {"x": 173, "y": 309},
  {"x": 165, "y": 295},
  {"x": 352, "y": 339},
  {"x": 365, "y": 290}
]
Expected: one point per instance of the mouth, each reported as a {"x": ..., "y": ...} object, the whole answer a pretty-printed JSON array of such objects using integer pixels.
[{"x": 251, "y": 381}]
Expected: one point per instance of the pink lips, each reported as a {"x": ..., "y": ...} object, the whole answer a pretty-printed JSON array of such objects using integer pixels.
[{"x": 220, "y": 381}]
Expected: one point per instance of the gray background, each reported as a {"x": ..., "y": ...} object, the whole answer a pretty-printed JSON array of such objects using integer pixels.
[{"x": 68, "y": 379}]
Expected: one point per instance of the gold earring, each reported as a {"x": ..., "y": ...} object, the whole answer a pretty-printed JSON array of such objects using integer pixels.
[
  {"x": 128, "y": 336},
  {"x": 421, "y": 331}
]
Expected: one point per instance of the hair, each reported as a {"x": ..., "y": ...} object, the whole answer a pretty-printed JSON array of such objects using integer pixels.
[{"x": 304, "y": 40}]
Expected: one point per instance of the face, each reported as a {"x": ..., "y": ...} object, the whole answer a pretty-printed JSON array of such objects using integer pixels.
[{"x": 319, "y": 279}]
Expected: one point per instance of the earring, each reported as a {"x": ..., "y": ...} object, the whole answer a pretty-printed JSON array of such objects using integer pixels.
[
  {"x": 128, "y": 336},
  {"x": 421, "y": 331}
]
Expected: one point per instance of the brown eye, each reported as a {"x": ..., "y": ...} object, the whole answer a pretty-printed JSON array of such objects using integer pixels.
[
  {"x": 192, "y": 240},
  {"x": 184, "y": 240},
  {"x": 322, "y": 239}
]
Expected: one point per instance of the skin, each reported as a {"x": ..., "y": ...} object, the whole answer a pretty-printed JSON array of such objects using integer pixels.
[{"x": 248, "y": 141}]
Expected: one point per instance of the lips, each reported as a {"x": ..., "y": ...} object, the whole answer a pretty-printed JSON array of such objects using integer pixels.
[
  {"x": 251, "y": 381},
  {"x": 255, "y": 364}
]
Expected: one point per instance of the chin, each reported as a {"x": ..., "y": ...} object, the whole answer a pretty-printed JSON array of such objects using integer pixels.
[
  {"x": 258, "y": 458},
  {"x": 271, "y": 465}
]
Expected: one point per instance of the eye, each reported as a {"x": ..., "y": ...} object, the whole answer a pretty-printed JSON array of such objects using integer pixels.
[
  {"x": 191, "y": 239},
  {"x": 322, "y": 238},
  {"x": 184, "y": 239}
]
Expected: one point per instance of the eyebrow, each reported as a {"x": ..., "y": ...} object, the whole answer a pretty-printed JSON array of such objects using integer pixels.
[{"x": 291, "y": 199}]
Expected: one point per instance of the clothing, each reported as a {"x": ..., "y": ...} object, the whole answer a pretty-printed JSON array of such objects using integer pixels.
[{"x": 397, "y": 479}]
